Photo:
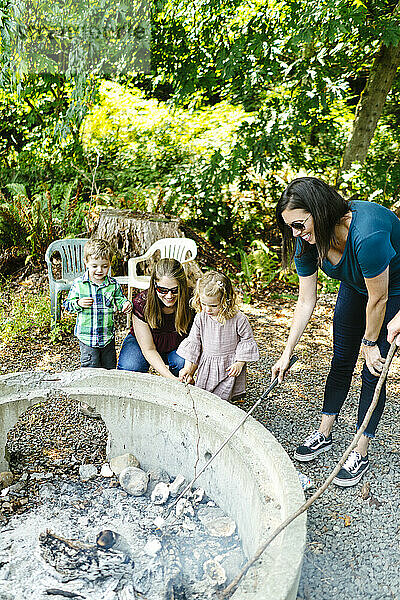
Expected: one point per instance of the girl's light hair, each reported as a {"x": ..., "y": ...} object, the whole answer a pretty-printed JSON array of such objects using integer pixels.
[
  {"x": 213, "y": 283},
  {"x": 168, "y": 267}
]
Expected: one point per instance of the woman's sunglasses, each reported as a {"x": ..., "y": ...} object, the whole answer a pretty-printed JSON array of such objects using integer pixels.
[
  {"x": 164, "y": 291},
  {"x": 298, "y": 225}
]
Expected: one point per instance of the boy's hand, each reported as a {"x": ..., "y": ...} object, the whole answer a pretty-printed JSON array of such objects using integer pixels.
[
  {"x": 85, "y": 302},
  {"x": 236, "y": 368},
  {"x": 127, "y": 307}
]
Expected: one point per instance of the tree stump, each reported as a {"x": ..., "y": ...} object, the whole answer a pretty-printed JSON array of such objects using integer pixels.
[{"x": 132, "y": 233}]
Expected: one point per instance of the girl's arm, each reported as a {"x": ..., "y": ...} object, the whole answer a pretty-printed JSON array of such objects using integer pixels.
[
  {"x": 377, "y": 288},
  {"x": 146, "y": 343},
  {"x": 304, "y": 308},
  {"x": 186, "y": 374},
  {"x": 236, "y": 368}
]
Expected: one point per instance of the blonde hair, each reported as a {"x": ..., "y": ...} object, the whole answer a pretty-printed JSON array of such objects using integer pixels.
[
  {"x": 213, "y": 283},
  {"x": 168, "y": 267},
  {"x": 97, "y": 248}
]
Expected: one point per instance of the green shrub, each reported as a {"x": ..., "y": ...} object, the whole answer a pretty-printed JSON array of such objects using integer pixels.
[{"x": 20, "y": 313}]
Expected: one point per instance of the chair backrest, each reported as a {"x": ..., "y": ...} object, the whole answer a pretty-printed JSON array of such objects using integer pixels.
[
  {"x": 175, "y": 248},
  {"x": 71, "y": 252}
]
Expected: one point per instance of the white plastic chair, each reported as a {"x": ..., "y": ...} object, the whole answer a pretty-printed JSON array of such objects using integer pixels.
[
  {"x": 182, "y": 249},
  {"x": 71, "y": 252}
]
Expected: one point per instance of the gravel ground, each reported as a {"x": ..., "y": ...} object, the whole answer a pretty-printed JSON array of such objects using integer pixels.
[
  {"x": 352, "y": 542},
  {"x": 353, "y": 546}
]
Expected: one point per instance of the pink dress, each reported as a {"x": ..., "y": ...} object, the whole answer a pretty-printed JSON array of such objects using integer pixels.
[{"x": 214, "y": 347}]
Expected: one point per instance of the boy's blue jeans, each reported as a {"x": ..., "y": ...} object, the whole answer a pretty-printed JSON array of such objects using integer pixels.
[
  {"x": 348, "y": 331},
  {"x": 131, "y": 358},
  {"x": 105, "y": 357}
]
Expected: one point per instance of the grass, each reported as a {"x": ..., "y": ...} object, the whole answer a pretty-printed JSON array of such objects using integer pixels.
[
  {"x": 21, "y": 312},
  {"x": 26, "y": 308}
]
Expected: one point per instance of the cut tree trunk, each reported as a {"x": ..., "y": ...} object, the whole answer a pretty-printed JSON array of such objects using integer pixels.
[
  {"x": 370, "y": 106},
  {"x": 132, "y": 233}
]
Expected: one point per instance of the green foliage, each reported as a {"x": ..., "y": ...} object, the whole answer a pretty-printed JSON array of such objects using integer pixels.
[
  {"x": 328, "y": 285},
  {"x": 20, "y": 313},
  {"x": 36, "y": 221},
  {"x": 64, "y": 328}
]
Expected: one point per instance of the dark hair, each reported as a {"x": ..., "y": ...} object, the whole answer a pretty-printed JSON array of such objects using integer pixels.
[
  {"x": 168, "y": 267},
  {"x": 325, "y": 205}
]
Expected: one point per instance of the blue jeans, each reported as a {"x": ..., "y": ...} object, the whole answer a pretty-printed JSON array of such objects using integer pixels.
[
  {"x": 131, "y": 358},
  {"x": 104, "y": 357},
  {"x": 348, "y": 331}
]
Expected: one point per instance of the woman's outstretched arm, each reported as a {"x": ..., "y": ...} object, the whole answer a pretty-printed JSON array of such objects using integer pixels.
[{"x": 304, "y": 308}]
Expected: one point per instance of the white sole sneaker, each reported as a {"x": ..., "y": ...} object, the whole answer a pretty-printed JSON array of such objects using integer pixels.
[{"x": 309, "y": 457}]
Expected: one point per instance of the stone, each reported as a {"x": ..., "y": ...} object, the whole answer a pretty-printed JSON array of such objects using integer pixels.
[
  {"x": 176, "y": 486},
  {"x": 160, "y": 494},
  {"x": 214, "y": 571},
  {"x": 216, "y": 522},
  {"x": 121, "y": 462},
  {"x": 184, "y": 507},
  {"x": 156, "y": 476},
  {"x": 106, "y": 470},
  {"x": 6, "y": 479},
  {"x": 198, "y": 495},
  {"x": 221, "y": 527},
  {"x": 159, "y": 522},
  {"x": 159, "y": 474},
  {"x": 134, "y": 481},
  {"x": 87, "y": 472},
  {"x": 38, "y": 476}
]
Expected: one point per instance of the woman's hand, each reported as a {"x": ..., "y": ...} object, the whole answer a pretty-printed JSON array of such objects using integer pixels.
[
  {"x": 236, "y": 368},
  {"x": 373, "y": 359},
  {"x": 394, "y": 329},
  {"x": 280, "y": 367}
]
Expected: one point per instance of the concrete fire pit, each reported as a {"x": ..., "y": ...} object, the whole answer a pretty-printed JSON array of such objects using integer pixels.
[{"x": 164, "y": 425}]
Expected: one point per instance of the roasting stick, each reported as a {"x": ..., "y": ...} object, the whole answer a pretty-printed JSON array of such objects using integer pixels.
[
  {"x": 246, "y": 416},
  {"x": 226, "y": 593}
]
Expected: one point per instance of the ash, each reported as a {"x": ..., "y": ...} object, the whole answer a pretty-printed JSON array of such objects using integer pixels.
[{"x": 61, "y": 547}]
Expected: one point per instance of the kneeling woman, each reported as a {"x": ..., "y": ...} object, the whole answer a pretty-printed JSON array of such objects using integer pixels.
[{"x": 161, "y": 320}]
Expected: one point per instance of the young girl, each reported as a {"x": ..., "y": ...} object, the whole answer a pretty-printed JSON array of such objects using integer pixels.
[{"x": 220, "y": 341}]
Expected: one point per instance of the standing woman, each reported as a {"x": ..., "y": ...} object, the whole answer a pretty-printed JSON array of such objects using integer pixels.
[
  {"x": 359, "y": 244},
  {"x": 161, "y": 320}
]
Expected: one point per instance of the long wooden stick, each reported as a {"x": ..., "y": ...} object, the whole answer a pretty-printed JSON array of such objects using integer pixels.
[
  {"x": 233, "y": 585},
  {"x": 271, "y": 386}
]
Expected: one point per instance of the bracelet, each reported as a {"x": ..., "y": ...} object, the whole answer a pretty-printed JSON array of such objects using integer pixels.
[{"x": 368, "y": 342}]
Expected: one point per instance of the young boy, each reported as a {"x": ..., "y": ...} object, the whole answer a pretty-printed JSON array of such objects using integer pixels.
[{"x": 93, "y": 297}]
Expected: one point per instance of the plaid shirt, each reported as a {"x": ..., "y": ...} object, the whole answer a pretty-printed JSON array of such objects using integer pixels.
[{"x": 95, "y": 325}]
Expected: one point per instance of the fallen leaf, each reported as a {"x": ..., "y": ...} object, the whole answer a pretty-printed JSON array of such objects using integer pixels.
[
  {"x": 375, "y": 502},
  {"x": 365, "y": 490}
]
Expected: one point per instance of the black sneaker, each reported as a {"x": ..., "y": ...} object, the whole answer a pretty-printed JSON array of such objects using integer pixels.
[
  {"x": 352, "y": 470},
  {"x": 313, "y": 445}
]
